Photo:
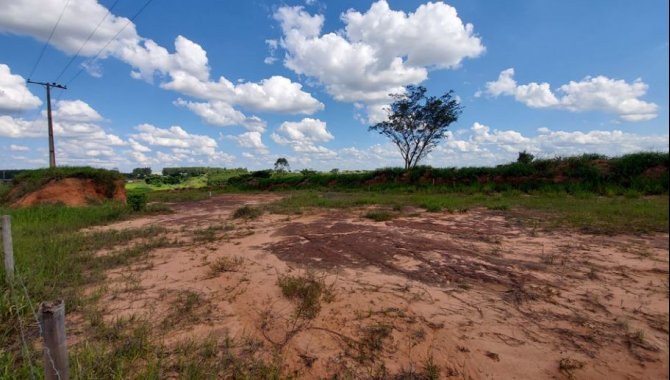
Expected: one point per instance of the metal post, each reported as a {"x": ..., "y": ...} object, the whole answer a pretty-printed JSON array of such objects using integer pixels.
[
  {"x": 8, "y": 247},
  {"x": 52, "y": 321}
]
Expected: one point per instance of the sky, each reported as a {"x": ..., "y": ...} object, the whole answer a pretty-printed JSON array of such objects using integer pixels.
[{"x": 167, "y": 83}]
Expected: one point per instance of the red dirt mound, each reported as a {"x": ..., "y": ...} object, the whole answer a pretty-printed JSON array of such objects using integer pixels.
[{"x": 72, "y": 192}]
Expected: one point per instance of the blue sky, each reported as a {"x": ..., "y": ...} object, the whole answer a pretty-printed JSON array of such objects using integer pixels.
[{"x": 239, "y": 84}]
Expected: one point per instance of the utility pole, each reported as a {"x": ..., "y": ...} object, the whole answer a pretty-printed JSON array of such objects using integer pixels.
[{"x": 52, "y": 150}]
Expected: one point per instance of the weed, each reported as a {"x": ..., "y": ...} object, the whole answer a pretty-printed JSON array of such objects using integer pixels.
[
  {"x": 567, "y": 366},
  {"x": 372, "y": 341},
  {"x": 430, "y": 370},
  {"x": 225, "y": 264},
  {"x": 593, "y": 274},
  {"x": 499, "y": 207},
  {"x": 636, "y": 337},
  {"x": 379, "y": 215},
  {"x": 548, "y": 259},
  {"x": 247, "y": 212},
  {"x": 492, "y": 355},
  {"x": 307, "y": 290},
  {"x": 496, "y": 251},
  {"x": 206, "y": 235}
]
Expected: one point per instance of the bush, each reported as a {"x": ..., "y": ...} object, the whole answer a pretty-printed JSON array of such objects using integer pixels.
[
  {"x": 137, "y": 201},
  {"x": 262, "y": 174},
  {"x": 247, "y": 212},
  {"x": 308, "y": 172},
  {"x": 525, "y": 158}
]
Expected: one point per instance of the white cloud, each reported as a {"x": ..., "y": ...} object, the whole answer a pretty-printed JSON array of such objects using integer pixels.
[
  {"x": 18, "y": 148},
  {"x": 378, "y": 52},
  {"x": 222, "y": 114},
  {"x": 14, "y": 95},
  {"x": 186, "y": 70},
  {"x": 250, "y": 140},
  {"x": 482, "y": 146},
  {"x": 590, "y": 94},
  {"x": 303, "y": 136},
  {"x": 79, "y": 140},
  {"x": 75, "y": 111},
  {"x": 176, "y": 137},
  {"x": 137, "y": 147},
  {"x": 433, "y": 35},
  {"x": 307, "y": 130}
]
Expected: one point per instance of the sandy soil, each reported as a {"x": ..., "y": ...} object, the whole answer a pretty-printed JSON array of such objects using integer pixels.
[{"x": 480, "y": 294}]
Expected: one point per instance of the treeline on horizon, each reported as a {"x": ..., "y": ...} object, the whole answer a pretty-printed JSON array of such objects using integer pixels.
[{"x": 644, "y": 172}]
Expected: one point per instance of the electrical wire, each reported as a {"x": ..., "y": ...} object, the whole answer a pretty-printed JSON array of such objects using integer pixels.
[
  {"x": 111, "y": 40},
  {"x": 53, "y": 30},
  {"x": 109, "y": 10}
]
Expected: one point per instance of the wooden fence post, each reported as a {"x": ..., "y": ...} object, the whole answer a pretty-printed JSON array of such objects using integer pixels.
[
  {"x": 52, "y": 320},
  {"x": 8, "y": 247}
]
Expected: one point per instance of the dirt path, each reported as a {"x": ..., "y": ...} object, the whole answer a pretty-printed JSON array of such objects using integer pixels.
[{"x": 474, "y": 293}]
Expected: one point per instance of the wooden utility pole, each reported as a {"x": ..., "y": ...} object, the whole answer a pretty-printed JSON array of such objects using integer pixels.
[{"x": 52, "y": 150}]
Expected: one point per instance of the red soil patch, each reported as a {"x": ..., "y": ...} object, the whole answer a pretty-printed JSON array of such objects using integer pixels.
[
  {"x": 479, "y": 295},
  {"x": 72, "y": 192}
]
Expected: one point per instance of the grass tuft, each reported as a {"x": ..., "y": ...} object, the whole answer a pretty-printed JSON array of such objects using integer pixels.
[
  {"x": 379, "y": 215},
  {"x": 225, "y": 264},
  {"x": 247, "y": 212},
  {"x": 308, "y": 291}
]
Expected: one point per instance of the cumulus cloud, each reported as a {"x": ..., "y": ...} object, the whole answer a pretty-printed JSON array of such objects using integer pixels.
[
  {"x": 186, "y": 70},
  {"x": 177, "y": 138},
  {"x": 250, "y": 140},
  {"x": 14, "y": 95},
  {"x": 222, "y": 114},
  {"x": 590, "y": 94},
  {"x": 482, "y": 145},
  {"x": 75, "y": 111},
  {"x": 303, "y": 136},
  {"x": 378, "y": 52},
  {"x": 18, "y": 148},
  {"x": 80, "y": 140}
]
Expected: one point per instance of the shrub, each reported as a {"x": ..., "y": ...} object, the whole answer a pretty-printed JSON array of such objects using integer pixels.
[
  {"x": 262, "y": 174},
  {"x": 525, "y": 158},
  {"x": 137, "y": 201},
  {"x": 247, "y": 212},
  {"x": 379, "y": 215}
]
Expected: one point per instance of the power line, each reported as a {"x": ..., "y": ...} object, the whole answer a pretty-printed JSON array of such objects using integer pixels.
[
  {"x": 112, "y": 39},
  {"x": 53, "y": 30},
  {"x": 109, "y": 10}
]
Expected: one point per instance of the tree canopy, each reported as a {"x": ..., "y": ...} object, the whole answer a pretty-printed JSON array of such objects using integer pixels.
[
  {"x": 281, "y": 165},
  {"x": 417, "y": 123}
]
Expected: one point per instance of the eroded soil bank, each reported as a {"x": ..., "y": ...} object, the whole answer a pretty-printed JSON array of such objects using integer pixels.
[{"x": 474, "y": 294}]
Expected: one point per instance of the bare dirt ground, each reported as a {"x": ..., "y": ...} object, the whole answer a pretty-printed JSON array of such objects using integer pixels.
[{"x": 477, "y": 293}]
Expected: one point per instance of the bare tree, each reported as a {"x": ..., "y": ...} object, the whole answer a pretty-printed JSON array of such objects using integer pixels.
[{"x": 417, "y": 123}]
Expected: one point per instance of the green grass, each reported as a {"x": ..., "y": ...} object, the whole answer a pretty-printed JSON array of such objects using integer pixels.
[
  {"x": 308, "y": 291},
  {"x": 189, "y": 183},
  {"x": 55, "y": 260},
  {"x": 587, "y": 212},
  {"x": 379, "y": 215}
]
